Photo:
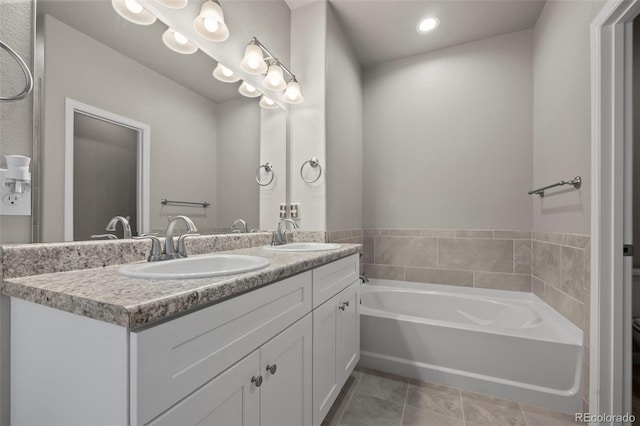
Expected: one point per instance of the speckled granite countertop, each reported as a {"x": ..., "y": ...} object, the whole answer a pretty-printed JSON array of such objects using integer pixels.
[{"x": 104, "y": 294}]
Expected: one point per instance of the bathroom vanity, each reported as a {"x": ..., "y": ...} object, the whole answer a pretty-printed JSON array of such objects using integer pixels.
[{"x": 269, "y": 347}]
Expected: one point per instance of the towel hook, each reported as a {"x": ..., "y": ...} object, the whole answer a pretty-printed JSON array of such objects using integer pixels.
[
  {"x": 28, "y": 87},
  {"x": 268, "y": 167},
  {"x": 313, "y": 162}
]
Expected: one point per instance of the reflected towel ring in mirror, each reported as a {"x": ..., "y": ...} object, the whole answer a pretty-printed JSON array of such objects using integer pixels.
[
  {"x": 268, "y": 167},
  {"x": 28, "y": 87},
  {"x": 314, "y": 162}
]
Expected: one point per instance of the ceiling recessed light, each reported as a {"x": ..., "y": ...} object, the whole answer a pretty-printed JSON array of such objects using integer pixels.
[{"x": 428, "y": 24}]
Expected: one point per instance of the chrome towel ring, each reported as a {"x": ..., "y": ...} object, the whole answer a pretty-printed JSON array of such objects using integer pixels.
[
  {"x": 313, "y": 162},
  {"x": 28, "y": 87},
  {"x": 268, "y": 167}
]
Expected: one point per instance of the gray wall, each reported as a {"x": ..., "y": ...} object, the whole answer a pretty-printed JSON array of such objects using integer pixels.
[
  {"x": 344, "y": 130},
  {"x": 447, "y": 137},
  {"x": 183, "y": 125},
  {"x": 562, "y": 114},
  {"x": 238, "y": 158},
  {"x": 15, "y": 117}
]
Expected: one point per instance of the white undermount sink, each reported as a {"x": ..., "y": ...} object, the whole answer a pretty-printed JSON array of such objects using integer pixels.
[
  {"x": 213, "y": 265},
  {"x": 304, "y": 247}
]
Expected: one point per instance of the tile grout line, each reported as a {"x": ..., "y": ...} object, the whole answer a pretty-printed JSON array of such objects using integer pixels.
[
  {"x": 346, "y": 407},
  {"x": 404, "y": 405},
  {"x": 464, "y": 420},
  {"x": 526, "y": 422}
]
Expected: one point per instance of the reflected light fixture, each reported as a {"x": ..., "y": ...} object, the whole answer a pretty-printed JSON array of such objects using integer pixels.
[
  {"x": 133, "y": 11},
  {"x": 248, "y": 90},
  {"x": 275, "y": 77},
  {"x": 178, "y": 42},
  {"x": 209, "y": 24},
  {"x": 253, "y": 61},
  {"x": 293, "y": 94},
  {"x": 428, "y": 24},
  {"x": 173, "y": 4},
  {"x": 267, "y": 103},
  {"x": 224, "y": 74}
]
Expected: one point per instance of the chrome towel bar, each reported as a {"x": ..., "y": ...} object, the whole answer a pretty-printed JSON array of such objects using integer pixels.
[
  {"x": 165, "y": 202},
  {"x": 576, "y": 182}
]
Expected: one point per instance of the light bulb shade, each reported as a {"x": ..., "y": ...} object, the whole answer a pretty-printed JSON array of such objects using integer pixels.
[
  {"x": 293, "y": 94},
  {"x": 248, "y": 90},
  {"x": 133, "y": 11},
  {"x": 224, "y": 74},
  {"x": 173, "y": 4},
  {"x": 275, "y": 78},
  {"x": 253, "y": 61},
  {"x": 209, "y": 24},
  {"x": 267, "y": 103},
  {"x": 178, "y": 43}
]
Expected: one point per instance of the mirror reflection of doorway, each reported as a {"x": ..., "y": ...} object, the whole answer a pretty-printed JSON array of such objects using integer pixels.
[
  {"x": 106, "y": 172},
  {"x": 105, "y": 159}
]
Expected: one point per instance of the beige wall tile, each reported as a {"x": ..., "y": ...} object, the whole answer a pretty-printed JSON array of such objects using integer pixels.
[
  {"x": 406, "y": 251},
  {"x": 522, "y": 256},
  {"x": 350, "y": 240},
  {"x": 439, "y": 276},
  {"x": 569, "y": 307},
  {"x": 475, "y": 254},
  {"x": 513, "y": 235},
  {"x": 541, "y": 236},
  {"x": 384, "y": 272},
  {"x": 572, "y": 272},
  {"x": 367, "y": 249},
  {"x": 578, "y": 241},
  {"x": 513, "y": 282},
  {"x": 441, "y": 233},
  {"x": 376, "y": 231},
  {"x": 547, "y": 262},
  {"x": 468, "y": 233},
  {"x": 358, "y": 232},
  {"x": 404, "y": 232},
  {"x": 556, "y": 238},
  {"x": 537, "y": 287}
]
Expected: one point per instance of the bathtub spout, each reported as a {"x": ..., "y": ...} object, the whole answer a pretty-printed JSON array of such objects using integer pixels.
[{"x": 364, "y": 278}]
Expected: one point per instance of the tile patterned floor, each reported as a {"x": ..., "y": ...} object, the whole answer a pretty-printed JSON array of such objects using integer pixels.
[{"x": 373, "y": 398}]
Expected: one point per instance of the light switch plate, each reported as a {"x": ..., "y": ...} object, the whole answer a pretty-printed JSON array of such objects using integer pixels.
[
  {"x": 283, "y": 211},
  {"x": 295, "y": 211}
]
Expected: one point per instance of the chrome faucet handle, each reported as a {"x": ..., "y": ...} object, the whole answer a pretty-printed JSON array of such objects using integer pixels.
[
  {"x": 182, "y": 248},
  {"x": 104, "y": 237},
  {"x": 156, "y": 251}
]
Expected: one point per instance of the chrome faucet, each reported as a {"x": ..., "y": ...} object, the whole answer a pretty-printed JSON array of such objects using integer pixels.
[
  {"x": 111, "y": 226},
  {"x": 279, "y": 235},
  {"x": 170, "y": 252},
  {"x": 242, "y": 223}
]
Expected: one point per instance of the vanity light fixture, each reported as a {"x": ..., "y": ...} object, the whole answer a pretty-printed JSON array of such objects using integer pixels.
[
  {"x": 178, "y": 42},
  {"x": 224, "y": 74},
  {"x": 248, "y": 90},
  {"x": 267, "y": 103},
  {"x": 428, "y": 24},
  {"x": 253, "y": 61},
  {"x": 275, "y": 77},
  {"x": 293, "y": 94},
  {"x": 133, "y": 11},
  {"x": 173, "y": 4},
  {"x": 209, "y": 24}
]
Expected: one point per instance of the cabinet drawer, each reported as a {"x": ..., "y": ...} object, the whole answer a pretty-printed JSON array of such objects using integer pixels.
[
  {"x": 170, "y": 360},
  {"x": 330, "y": 279}
]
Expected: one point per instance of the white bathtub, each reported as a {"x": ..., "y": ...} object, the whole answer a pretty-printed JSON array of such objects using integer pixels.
[{"x": 504, "y": 343}]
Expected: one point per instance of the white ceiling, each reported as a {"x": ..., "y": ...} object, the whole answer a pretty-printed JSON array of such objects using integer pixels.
[{"x": 385, "y": 30}]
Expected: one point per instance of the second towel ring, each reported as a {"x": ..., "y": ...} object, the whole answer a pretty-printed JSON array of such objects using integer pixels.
[
  {"x": 314, "y": 162},
  {"x": 28, "y": 87},
  {"x": 268, "y": 167}
]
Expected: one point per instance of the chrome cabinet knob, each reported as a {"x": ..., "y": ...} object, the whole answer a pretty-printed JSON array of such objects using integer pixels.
[
  {"x": 257, "y": 381},
  {"x": 346, "y": 303},
  {"x": 342, "y": 307},
  {"x": 272, "y": 368}
]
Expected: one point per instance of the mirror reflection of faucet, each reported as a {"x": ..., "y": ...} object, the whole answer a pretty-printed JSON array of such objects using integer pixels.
[
  {"x": 111, "y": 227},
  {"x": 170, "y": 251},
  {"x": 279, "y": 235},
  {"x": 242, "y": 229}
]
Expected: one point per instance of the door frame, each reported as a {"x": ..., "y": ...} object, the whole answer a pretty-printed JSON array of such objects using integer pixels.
[{"x": 143, "y": 165}]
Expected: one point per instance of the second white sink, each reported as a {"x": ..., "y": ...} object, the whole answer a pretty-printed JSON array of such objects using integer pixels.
[
  {"x": 213, "y": 265},
  {"x": 304, "y": 247}
]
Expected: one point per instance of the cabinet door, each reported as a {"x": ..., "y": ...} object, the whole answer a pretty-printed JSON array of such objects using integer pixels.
[
  {"x": 348, "y": 331},
  {"x": 285, "y": 364},
  {"x": 230, "y": 399},
  {"x": 325, "y": 379}
]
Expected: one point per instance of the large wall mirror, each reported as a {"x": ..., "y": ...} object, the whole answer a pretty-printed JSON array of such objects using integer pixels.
[{"x": 205, "y": 141}]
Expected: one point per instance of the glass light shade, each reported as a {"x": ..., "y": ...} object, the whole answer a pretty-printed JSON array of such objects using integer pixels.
[
  {"x": 275, "y": 78},
  {"x": 209, "y": 24},
  {"x": 253, "y": 61},
  {"x": 133, "y": 11},
  {"x": 267, "y": 103},
  {"x": 178, "y": 43},
  {"x": 428, "y": 24},
  {"x": 224, "y": 74},
  {"x": 248, "y": 90},
  {"x": 173, "y": 4},
  {"x": 293, "y": 94}
]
